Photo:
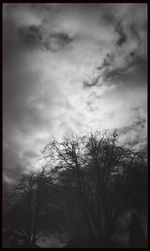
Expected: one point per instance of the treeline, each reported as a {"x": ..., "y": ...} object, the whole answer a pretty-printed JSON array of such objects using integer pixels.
[{"x": 87, "y": 185}]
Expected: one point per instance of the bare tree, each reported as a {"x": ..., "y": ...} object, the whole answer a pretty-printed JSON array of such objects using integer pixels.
[
  {"x": 98, "y": 166},
  {"x": 91, "y": 180},
  {"x": 33, "y": 192}
]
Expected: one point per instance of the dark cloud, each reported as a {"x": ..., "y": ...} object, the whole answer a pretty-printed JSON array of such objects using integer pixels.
[
  {"x": 37, "y": 36},
  {"x": 108, "y": 16},
  {"x": 108, "y": 60},
  {"x": 13, "y": 164},
  {"x": 134, "y": 32},
  {"x": 94, "y": 82},
  {"x": 58, "y": 40},
  {"x": 122, "y": 35},
  {"x": 111, "y": 17},
  {"x": 31, "y": 35},
  {"x": 135, "y": 72}
]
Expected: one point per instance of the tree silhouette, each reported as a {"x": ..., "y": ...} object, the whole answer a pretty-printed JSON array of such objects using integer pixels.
[
  {"x": 90, "y": 182},
  {"x": 33, "y": 191},
  {"x": 99, "y": 169}
]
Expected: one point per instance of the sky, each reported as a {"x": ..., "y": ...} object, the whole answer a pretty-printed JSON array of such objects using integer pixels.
[{"x": 68, "y": 68}]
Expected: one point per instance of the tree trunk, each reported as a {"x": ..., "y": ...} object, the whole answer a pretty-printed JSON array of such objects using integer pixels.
[
  {"x": 29, "y": 222},
  {"x": 83, "y": 203}
]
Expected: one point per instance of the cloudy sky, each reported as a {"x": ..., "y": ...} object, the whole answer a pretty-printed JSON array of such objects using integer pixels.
[{"x": 68, "y": 68}]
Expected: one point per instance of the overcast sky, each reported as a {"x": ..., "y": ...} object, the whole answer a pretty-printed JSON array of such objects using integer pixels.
[{"x": 69, "y": 67}]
